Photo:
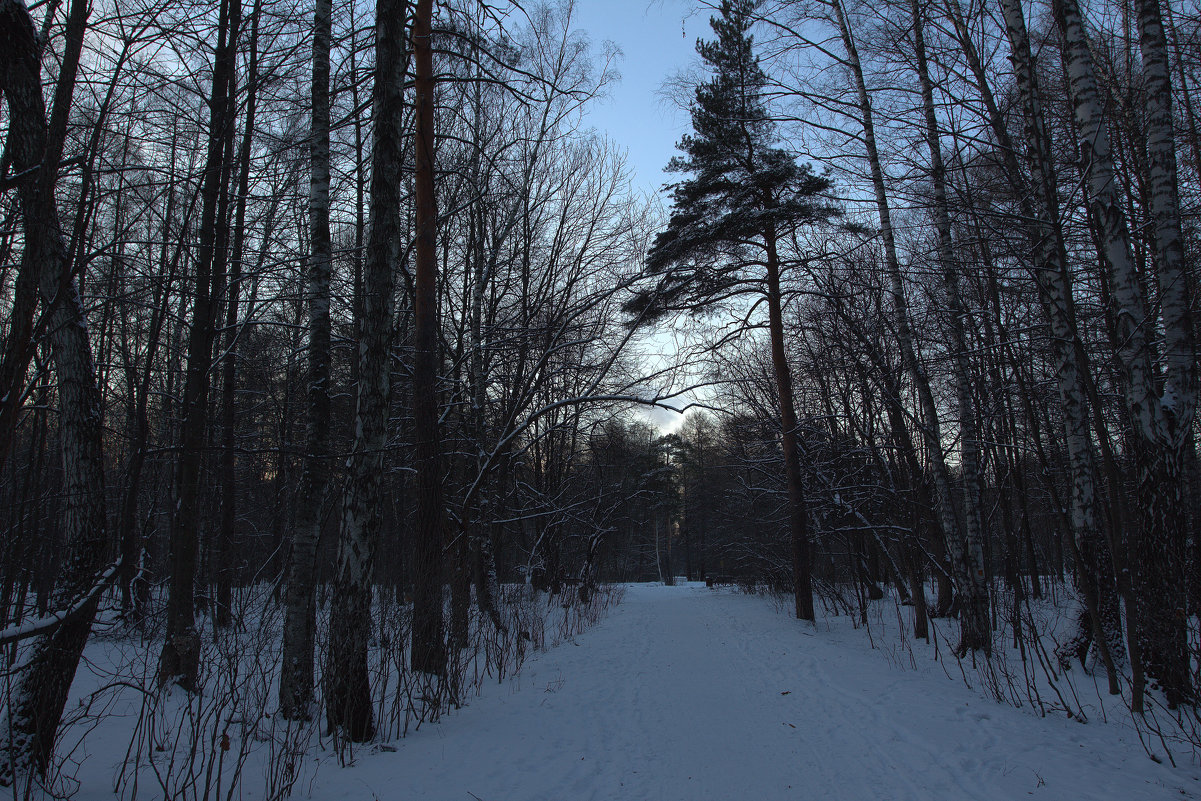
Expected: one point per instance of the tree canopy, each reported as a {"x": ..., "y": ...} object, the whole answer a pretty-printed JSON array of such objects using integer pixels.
[{"x": 742, "y": 187}]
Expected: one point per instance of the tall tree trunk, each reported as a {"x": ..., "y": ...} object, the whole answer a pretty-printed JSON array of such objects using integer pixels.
[
  {"x": 1055, "y": 289},
  {"x": 300, "y": 621},
  {"x": 1160, "y": 564},
  {"x": 346, "y": 685},
  {"x": 36, "y": 706},
  {"x": 226, "y": 537},
  {"x": 180, "y": 658},
  {"x": 798, "y": 512},
  {"x": 945, "y": 519},
  {"x": 968, "y": 553},
  {"x": 133, "y": 584},
  {"x": 429, "y": 650},
  {"x": 1160, "y": 423}
]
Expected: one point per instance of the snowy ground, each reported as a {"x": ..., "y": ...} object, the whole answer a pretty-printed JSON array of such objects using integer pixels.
[{"x": 689, "y": 693}]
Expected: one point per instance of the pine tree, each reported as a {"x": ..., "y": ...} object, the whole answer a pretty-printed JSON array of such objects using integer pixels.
[{"x": 743, "y": 195}]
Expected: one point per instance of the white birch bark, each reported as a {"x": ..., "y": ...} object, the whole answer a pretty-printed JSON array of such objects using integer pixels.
[
  {"x": 1157, "y": 548},
  {"x": 1179, "y": 398},
  {"x": 1055, "y": 289}
]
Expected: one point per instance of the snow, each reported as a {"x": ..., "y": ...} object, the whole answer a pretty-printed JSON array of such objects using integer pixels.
[
  {"x": 690, "y": 693},
  {"x": 681, "y": 693}
]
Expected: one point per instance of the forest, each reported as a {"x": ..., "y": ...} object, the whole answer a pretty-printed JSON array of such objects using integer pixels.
[{"x": 336, "y": 343}]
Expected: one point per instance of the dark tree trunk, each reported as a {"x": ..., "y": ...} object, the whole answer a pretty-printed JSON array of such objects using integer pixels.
[
  {"x": 429, "y": 650},
  {"x": 798, "y": 513},
  {"x": 180, "y": 659},
  {"x": 227, "y": 541}
]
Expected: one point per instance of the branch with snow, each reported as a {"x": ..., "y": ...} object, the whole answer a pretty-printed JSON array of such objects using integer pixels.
[{"x": 46, "y": 624}]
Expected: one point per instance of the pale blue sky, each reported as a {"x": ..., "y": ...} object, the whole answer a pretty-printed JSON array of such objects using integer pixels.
[{"x": 657, "y": 39}]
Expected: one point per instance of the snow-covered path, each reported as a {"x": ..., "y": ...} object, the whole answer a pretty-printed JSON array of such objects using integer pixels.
[{"x": 686, "y": 693}]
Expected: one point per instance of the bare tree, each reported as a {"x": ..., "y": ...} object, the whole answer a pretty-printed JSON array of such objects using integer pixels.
[
  {"x": 300, "y": 623},
  {"x": 1156, "y": 416},
  {"x": 180, "y": 659},
  {"x": 34, "y": 147},
  {"x": 347, "y": 690}
]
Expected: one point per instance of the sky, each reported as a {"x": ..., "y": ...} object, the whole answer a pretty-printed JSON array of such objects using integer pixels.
[{"x": 657, "y": 39}]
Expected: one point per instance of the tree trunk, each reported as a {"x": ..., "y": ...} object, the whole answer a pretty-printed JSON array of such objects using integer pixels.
[
  {"x": 1160, "y": 424},
  {"x": 180, "y": 658},
  {"x": 1160, "y": 564},
  {"x": 429, "y": 650},
  {"x": 1054, "y": 283},
  {"x": 226, "y": 537},
  {"x": 300, "y": 622},
  {"x": 945, "y": 518},
  {"x": 968, "y": 553},
  {"x": 798, "y": 513},
  {"x": 347, "y": 689},
  {"x": 19, "y": 345},
  {"x": 36, "y": 705}
]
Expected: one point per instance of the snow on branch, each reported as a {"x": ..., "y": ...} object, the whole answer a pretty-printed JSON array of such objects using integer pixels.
[{"x": 46, "y": 624}]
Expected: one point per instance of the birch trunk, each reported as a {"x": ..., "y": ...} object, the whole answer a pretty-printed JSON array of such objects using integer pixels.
[
  {"x": 1055, "y": 290},
  {"x": 346, "y": 685},
  {"x": 1160, "y": 572},
  {"x": 1160, "y": 422},
  {"x": 35, "y": 707},
  {"x": 1179, "y": 397},
  {"x": 300, "y": 621},
  {"x": 973, "y": 590}
]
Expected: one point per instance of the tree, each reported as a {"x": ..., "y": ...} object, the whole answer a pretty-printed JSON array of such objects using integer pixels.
[
  {"x": 346, "y": 683},
  {"x": 727, "y": 225},
  {"x": 941, "y": 497},
  {"x": 180, "y": 659},
  {"x": 36, "y": 707},
  {"x": 429, "y": 650},
  {"x": 1160, "y": 416},
  {"x": 296, "y": 672},
  {"x": 968, "y": 553}
]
